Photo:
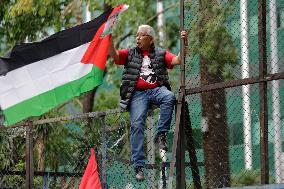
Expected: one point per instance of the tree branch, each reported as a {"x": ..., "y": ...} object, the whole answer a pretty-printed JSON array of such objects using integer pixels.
[{"x": 161, "y": 12}]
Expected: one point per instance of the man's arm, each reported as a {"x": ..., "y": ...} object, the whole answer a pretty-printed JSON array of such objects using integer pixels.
[
  {"x": 177, "y": 60},
  {"x": 112, "y": 51}
]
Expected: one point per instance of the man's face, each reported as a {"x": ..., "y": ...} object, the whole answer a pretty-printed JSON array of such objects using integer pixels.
[{"x": 143, "y": 40}]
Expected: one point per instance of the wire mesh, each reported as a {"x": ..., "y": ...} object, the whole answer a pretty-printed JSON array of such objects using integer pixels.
[
  {"x": 225, "y": 122},
  {"x": 61, "y": 151},
  {"x": 209, "y": 22},
  {"x": 12, "y": 173}
]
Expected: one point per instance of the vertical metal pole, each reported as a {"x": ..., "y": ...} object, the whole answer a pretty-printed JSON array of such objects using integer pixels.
[
  {"x": 151, "y": 149},
  {"x": 178, "y": 141},
  {"x": 104, "y": 154},
  {"x": 175, "y": 143},
  {"x": 29, "y": 158},
  {"x": 182, "y": 65},
  {"x": 263, "y": 92},
  {"x": 180, "y": 162}
]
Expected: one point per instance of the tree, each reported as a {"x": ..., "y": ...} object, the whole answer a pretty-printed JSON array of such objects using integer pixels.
[
  {"x": 212, "y": 42},
  {"x": 30, "y": 20}
]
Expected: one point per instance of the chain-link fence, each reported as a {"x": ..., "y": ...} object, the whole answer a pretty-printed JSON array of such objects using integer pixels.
[
  {"x": 234, "y": 95},
  {"x": 58, "y": 151},
  {"x": 231, "y": 118}
]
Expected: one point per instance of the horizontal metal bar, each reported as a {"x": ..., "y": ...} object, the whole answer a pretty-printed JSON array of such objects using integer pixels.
[
  {"x": 42, "y": 173},
  {"x": 167, "y": 164},
  {"x": 235, "y": 83},
  {"x": 74, "y": 174},
  {"x": 64, "y": 118},
  {"x": 151, "y": 166}
]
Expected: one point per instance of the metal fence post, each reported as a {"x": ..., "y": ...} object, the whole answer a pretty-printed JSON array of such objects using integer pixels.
[
  {"x": 180, "y": 157},
  {"x": 29, "y": 158},
  {"x": 151, "y": 149},
  {"x": 180, "y": 161},
  {"x": 104, "y": 153},
  {"x": 263, "y": 92}
]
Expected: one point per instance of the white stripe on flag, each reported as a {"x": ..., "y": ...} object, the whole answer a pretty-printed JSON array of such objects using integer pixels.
[{"x": 42, "y": 76}]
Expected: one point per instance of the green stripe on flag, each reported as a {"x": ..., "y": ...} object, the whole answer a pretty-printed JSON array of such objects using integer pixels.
[{"x": 46, "y": 101}]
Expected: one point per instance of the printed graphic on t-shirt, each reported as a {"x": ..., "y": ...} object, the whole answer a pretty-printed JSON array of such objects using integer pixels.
[{"x": 147, "y": 73}]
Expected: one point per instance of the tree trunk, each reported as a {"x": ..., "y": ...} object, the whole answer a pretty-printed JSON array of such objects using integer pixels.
[
  {"x": 88, "y": 102},
  {"x": 160, "y": 23},
  {"x": 215, "y": 138},
  {"x": 1, "y": 118},
  {"x": 106, "y": 6},
  {"x": 214, "y": 118},
  {"x": 40, "y": 151},
  {"x": 89, "y": 97}
]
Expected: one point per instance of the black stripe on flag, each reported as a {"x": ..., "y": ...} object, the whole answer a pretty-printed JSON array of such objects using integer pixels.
[{"x": 27, "y": 53}]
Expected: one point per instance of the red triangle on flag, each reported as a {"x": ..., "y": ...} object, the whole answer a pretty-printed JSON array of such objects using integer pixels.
[
  {"x": 98, "y": 49},
  {"x": 91, "y": 179}
]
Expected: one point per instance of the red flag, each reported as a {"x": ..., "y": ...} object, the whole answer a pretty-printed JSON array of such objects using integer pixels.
[{"x": 91, "y": 179}]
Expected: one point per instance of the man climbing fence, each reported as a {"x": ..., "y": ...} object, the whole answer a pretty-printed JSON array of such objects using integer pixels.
[{"x": 145, "y": 82}]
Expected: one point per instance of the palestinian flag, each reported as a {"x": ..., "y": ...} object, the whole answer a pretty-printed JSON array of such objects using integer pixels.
[{"x": 36, "y": 77}]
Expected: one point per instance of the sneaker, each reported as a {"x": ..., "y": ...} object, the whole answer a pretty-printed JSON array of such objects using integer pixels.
[
  {"x": 162, "y": 141},
  {"x": 139, "y": 173}
]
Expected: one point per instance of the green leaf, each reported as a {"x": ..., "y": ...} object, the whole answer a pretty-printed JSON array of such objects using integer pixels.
[{"x": 42, "y": 11}]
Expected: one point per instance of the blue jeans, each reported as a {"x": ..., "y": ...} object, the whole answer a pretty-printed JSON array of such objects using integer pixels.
[{"x": 141, "y": 100}]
